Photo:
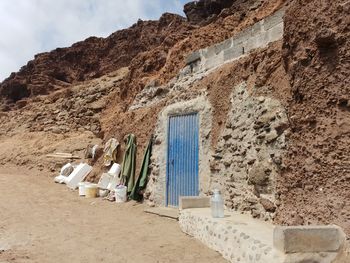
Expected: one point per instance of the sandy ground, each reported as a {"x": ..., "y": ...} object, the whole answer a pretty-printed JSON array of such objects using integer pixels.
[{"x": 45, "y": 222}]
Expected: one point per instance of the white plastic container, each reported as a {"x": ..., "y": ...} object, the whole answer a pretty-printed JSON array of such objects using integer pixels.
[
  {"x": 91, "y": 190},
  {"x": 104, "y": 181},
  {"x": 78, "y": 175},
  {"x": 217, "y": 205},
  {"x": 115, "y": 170},
  {"x": 82, "y": 188},
  {"x": 120, "y": 194},
  {"x": 114, "y": 173}
]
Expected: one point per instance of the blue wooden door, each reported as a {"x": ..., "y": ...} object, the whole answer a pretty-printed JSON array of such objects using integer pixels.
[{"x": 182, "y": 157}]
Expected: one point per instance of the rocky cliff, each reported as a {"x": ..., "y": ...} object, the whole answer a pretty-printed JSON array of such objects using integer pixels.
[
  {"x": 95, "y": 57},
  {"x": 316, "y": 51}
]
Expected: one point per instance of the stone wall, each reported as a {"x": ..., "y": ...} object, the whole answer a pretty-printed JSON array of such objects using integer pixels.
[
  {"x": 247, "y": 159},
  {"x": 259, "y": 35}
]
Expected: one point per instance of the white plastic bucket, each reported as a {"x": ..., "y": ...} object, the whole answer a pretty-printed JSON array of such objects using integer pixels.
[
  {"x": 91, "y": 190},
  {"x": 120, "y": 194},
  {"x": 115, "y": 170},
  {"x": 81, "y": 188}
]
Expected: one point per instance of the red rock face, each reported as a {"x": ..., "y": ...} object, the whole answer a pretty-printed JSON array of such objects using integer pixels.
[
  {"x": 315, "y": 186},
  {"x": 93, "y": 58}
]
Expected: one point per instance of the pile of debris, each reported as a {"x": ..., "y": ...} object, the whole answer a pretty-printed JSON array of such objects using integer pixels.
[{"x": 119, "y": 183}]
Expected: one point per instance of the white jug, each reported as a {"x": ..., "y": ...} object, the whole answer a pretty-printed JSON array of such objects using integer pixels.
[{"x": 217, "y": 204}]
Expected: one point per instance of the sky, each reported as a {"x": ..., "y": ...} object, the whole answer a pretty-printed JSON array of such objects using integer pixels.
[{"x": 28, "y": 27}]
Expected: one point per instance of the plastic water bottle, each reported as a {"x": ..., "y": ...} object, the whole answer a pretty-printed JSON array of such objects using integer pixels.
[{"x": 217, "y": 205}]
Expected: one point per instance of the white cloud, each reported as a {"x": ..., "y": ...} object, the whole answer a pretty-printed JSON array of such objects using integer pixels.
[{"x": 28, "y": 27}]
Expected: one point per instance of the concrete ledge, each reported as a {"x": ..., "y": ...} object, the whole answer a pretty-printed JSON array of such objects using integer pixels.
[
  {"x": 239, "y": 238},
  {"x": 187, "y": 202},
  {"x": 308, "y": 239},
  {"x": 242, "y": 239}
]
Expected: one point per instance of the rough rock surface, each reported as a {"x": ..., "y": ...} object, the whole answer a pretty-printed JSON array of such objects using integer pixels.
[
  {"x": 248, "y": 156},
  {"x": 77, "y": 108},
  {"x": 203, "y": 12},
  {"x": 314, "y": 187}
]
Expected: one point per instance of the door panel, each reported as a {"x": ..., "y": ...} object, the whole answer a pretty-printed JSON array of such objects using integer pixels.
[{"x": 182, "y": 162}]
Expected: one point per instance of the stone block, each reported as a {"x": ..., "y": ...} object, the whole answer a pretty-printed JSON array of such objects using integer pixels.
[
  {"x": 241, "y": 37},
  {"x": 223, "y": 46},
  {"x": 308, "y": 239},
  {"x": 275, "y": 33},
  {"x": 215, "y": 50},
  {"x": 233, "y": 52},
  {"x": 259, "y": 40},
  {"x": 193, "y": 57},
  {"x": 256, "y": 28},
  {"x": 208, "y": 52},
  {"x": 273, "y": 20},
  {"x": 214, "y": 61},
  {"x": 187, "y": 202}
]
